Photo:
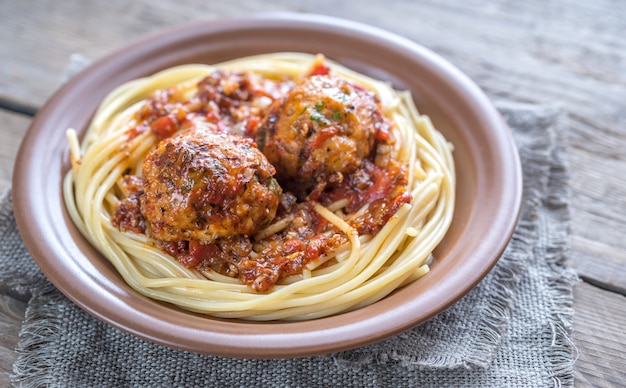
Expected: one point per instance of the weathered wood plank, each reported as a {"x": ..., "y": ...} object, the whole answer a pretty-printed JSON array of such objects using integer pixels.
[
  {"x": 69, "y": 28},
  {"x": 568, "y": 53},
  {"x": 599, "y": 336},
  {"x": 15, "y": 126}
]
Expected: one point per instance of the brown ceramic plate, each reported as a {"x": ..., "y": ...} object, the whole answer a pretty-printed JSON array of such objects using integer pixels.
[{"x": 488, "y": 201}]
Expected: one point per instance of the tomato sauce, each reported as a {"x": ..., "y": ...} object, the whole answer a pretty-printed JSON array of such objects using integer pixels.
[{"x": 236, "y": 103}]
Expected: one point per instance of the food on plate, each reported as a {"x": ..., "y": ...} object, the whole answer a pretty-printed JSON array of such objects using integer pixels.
[{"x": 279, "y": 186}]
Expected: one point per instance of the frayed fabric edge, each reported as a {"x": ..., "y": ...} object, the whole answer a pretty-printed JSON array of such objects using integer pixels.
[
  {"x": 508, "y": 272},
  {"x": 36, "y": 347},
  {"x": 492, "y": 327},
  {"x": 506, "y": 276},
  {"x": 562, "y": 351},
  {"x": 494, "y": 321},
  {"x": 512, "y": 264}
]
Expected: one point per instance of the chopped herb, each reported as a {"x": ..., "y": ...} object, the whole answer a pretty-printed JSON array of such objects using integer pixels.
[
  {"x": 186, "y": 187},
  {"x": 274, "y": 185},
  {"x": 336, "y": 115},
  {"x": 319, "y": 118},
  {"x": 319, "y": 106}
]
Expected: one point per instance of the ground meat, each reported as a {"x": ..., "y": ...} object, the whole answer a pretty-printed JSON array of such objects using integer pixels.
[
  {"x": 205, "y": 185},
  {"x": 127, "y": 216}
]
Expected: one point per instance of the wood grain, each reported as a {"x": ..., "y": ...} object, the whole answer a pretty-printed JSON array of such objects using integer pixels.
[
  {"x": 566, "y": 53},
  {"x": 599, "y": 337},
  {"x": 9, "y": 144}
]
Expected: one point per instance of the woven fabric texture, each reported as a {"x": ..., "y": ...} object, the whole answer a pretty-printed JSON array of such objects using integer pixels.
[{"x": 513, "y": 329}]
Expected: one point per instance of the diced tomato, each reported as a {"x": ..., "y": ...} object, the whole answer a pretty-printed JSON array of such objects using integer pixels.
[
  {"x": 320, "y": 69},
  {"x": 398, "y": 201},
  {"x": 135, "y": 131},
  {"x": 380, "y": 188},
  {"x": 179, "y": 250},
  {"x": 212, "y": 116},
  {"x": 382, "y": 133},
  {"x": 359, "y": 88},
  {"x": 164, "y": 127},
  {"x": 267, "y": 89},
  {"x": 251, "y": 124},
  {"x": 293, "y": 245},
  {"x": 315, "y": 247},
  {"x": 321, "y": 136},
  {"x": 199, "y": 252}
]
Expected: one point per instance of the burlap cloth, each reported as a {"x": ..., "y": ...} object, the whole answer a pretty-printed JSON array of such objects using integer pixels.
[{"x": 512, "y": 330}]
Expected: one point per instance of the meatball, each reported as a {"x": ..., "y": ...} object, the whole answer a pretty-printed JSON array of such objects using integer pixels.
[
  {"x": 323, "y": 126},
  {"x": 203, "y": 185}
]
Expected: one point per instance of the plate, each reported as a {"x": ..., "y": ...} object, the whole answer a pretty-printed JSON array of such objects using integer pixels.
[{"x": 488, "y": 192}]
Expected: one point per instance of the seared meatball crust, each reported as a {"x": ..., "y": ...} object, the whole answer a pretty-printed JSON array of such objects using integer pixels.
[
  {"x": 204, "y": 185},
  {"x": 320, "y": 130}
]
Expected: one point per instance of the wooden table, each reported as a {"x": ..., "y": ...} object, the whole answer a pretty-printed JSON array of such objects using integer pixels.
[{"x": 569, "y": 52}]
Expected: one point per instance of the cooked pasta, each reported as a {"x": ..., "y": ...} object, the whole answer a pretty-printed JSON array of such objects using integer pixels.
[{"x": 345, "y": 219}]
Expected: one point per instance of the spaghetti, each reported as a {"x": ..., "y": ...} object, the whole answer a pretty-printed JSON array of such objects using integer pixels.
[{"x": 189, "y": 183}]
